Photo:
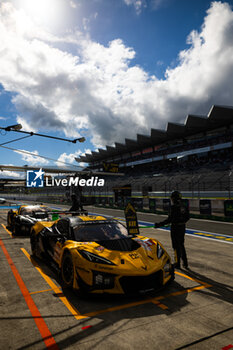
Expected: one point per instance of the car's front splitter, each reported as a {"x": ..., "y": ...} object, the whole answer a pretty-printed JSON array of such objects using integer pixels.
[{"x": 128, "y": 285}]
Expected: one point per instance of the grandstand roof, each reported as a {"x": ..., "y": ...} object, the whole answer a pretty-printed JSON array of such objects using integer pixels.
[{"x": 218, "y": 116}]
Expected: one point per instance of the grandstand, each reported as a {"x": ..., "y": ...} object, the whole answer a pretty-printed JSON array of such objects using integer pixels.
[
  {"x": 195, "y": 157},
  {"x": 200, "y": 136}
]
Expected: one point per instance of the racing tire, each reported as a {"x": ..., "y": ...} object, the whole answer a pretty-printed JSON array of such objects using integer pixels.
[
  {"x": 16, "y": 230},
  {"x": 33, "y": 242},
  {"x": 172, "y": 274},
  {"x": 9, "y": 220},
  {"x": 67, "y": 270}
]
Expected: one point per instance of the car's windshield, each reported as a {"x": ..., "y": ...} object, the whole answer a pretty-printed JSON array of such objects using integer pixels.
[
  {"x": 95, "y": 232},
  {"x": 33, "y": 210}
]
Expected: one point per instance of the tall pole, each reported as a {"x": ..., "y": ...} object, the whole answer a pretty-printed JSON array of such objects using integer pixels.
[{"x": 230, "y": 184}]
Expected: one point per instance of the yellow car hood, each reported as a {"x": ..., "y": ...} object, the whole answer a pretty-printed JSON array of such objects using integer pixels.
[{"x": 140, "y": 261}]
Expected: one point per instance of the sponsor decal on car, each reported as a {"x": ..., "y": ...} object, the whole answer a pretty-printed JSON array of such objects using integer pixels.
[
  {"x": 100, "y": 248},
  {"x": 145, "y": 243},
  {"x": 134, "y": 256}
]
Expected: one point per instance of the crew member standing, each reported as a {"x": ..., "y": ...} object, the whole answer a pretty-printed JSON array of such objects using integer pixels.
[
  {"x": 76, "y": 203},
  {"x": 178, "y": 217}
]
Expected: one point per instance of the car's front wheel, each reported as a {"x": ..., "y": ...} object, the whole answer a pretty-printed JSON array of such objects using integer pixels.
[
  {"x": 33, "y": 242},
  {"x": 67, "y": 270},
  {"x": 10, "y": 220},
  {"x": 16, "y": 230}
]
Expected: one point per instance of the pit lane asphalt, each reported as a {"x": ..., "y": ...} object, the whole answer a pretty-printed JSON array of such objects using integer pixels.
[{"x": 194, "y": 312}]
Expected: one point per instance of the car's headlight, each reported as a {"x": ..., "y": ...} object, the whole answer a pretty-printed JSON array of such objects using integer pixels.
[
  {"x": 160, "y": 251},
  {"x": 94, "y": 258},
  {"x": 167, "y": 266}
]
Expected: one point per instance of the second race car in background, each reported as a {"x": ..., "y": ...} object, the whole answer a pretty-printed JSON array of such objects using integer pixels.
[
  {"x": 21, "y": 220},
  {"x": 96, "y": 255}
]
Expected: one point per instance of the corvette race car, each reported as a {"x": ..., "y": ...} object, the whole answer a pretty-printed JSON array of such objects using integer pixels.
[
  {"x": 21, "y": 220},
  {"x": 95, "y": 254}
]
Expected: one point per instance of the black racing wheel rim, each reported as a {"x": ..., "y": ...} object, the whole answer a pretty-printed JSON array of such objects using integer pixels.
[{"x": 67, "y": 270}]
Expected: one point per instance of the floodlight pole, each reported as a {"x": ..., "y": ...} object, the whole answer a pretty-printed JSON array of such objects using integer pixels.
[{"x": 18, "y": 127}]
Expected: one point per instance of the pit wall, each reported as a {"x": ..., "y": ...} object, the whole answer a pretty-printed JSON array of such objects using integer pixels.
[{"x": 209, "y": 203}]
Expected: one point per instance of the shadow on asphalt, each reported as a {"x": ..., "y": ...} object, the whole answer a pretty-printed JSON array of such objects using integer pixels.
[
  {"x": 106, "y": 319},
  {"x": 217, "y": 290}
]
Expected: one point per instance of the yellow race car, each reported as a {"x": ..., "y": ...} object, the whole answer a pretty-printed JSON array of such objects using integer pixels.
[
  {"x": 21, "y": 220},
  {"x": 95, "y": 254}
]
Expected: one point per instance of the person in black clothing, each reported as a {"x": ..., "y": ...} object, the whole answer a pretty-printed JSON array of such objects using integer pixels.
[
  {"x": 178, "y": 217},
  {"x": 76, "y": 203}
]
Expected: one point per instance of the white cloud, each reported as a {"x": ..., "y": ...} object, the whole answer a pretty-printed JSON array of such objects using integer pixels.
[
  {"x": 138, "y": 4},
  {"x": 7, "y": 173},
  {"x": 73, "y": 4},
  {"x": 156, "y": 4},
  {"x": 87, "y": 21},
  {"x": 160, "y": 63},
  {"x": 32, "y": 159},
  {"x": 23, "y": 121},
  {"x": 70, "y": 158},
  {"x": 99, "y": 91}
]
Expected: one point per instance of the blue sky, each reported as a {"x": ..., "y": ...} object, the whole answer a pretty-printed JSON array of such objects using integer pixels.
[
  {"x": 157, "y": 35},
  {"x": 108, "y": 69}
]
